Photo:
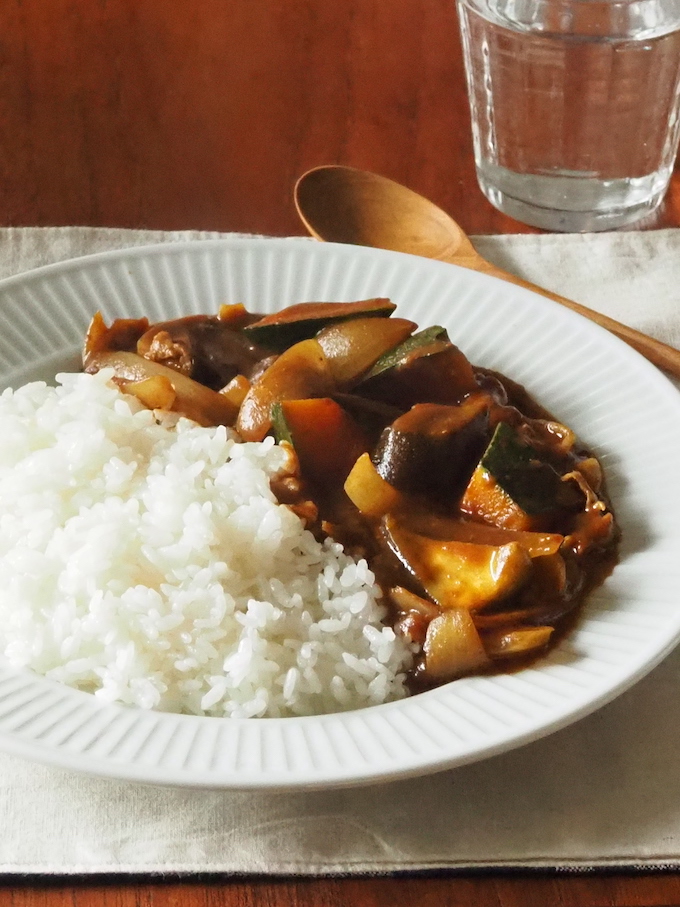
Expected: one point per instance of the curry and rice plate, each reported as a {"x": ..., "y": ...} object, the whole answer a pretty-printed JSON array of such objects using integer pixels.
[{"x": 173, "y": 563}]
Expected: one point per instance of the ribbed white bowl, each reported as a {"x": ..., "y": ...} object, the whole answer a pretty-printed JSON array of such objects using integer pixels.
[{"x": 620, "y": 406}]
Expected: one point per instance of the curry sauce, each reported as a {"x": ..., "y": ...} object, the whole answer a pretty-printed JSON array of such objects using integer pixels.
[{"x": 483, "y": 518}]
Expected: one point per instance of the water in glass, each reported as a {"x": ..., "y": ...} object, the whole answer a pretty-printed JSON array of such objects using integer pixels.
[{"x": 574, "y": 107}]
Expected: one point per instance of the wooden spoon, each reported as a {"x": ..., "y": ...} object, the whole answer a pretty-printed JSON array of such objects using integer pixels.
[{"x": 341, "y": 204}]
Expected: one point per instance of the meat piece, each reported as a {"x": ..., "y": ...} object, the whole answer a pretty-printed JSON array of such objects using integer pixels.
[{"x": 203, "y": 348}]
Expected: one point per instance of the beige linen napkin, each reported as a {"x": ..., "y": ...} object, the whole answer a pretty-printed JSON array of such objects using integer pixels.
[{"x": 603, "y": 792}]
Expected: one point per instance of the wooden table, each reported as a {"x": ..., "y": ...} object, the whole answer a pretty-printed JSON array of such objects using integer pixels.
[{"x": 175, "y": 114}]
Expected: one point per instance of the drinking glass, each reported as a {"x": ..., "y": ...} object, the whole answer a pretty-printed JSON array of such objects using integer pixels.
[{"x": 574, "y": 107}]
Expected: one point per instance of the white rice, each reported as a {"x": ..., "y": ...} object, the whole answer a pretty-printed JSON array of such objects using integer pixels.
[{"x": 147, "y": 561}]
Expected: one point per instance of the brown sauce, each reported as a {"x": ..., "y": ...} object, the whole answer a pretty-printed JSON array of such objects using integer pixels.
[{"x": 497, "y": 523}]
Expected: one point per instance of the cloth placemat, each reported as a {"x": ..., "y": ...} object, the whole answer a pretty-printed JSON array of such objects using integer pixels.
[{"x": 603, "y": 792}]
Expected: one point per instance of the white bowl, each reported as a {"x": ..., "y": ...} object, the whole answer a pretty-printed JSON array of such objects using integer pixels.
[{"x": 620, "y": 406}]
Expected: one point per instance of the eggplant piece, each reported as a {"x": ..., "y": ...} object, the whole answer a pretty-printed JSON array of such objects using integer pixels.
[
  {"x": 431, "y": 371},
  {"x": 371, "y": 415},
  {"x": 459, "y": 574},
  {"x": 432, "y": 449},
  {"x": 302, "y": 321}
]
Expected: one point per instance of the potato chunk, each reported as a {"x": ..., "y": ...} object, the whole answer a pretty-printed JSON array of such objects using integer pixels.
[
  {"x": 460, "y": 574},
  {"x": 368, "y": 491},
  {"x": 352, "y": 347},
  {"x": 452, "y": 646}
]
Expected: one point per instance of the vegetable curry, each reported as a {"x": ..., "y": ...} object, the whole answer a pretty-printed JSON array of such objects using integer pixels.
[{"x": 483, "y": 518}]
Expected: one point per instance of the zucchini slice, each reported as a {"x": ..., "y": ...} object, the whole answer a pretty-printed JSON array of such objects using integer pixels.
[
  {"x": 485, "y": 500},
  {"x": 525, "y": 474},
  {"x": 302, "y": 321},
  {"x": 429, "y": 370},
  {"x": 353, "y": 345},
  {"x": 402, "y": 351},
  {"x": 515, "y": 486}
]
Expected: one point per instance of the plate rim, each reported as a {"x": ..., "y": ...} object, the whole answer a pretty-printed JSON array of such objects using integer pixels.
[{"x": 271, "y": 780}]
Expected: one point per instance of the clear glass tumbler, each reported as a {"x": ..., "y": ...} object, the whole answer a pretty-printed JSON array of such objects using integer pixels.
[{"x": 574, "y": 107}]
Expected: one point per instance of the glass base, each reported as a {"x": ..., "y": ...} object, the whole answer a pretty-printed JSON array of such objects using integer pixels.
[{"x": 571, "y": 202}]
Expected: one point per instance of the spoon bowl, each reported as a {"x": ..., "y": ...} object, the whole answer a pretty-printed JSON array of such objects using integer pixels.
[
  {"x": 341, "y": 204},
  {"x": 346, "y": 205}
]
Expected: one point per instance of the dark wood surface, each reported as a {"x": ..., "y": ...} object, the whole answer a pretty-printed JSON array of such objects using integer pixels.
[
  {"x": 177, "y": 114},
  {"x": 174, "y": 114}
]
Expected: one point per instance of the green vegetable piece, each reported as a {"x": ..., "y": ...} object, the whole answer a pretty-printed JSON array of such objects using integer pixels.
[
  {"x": 280, "y": 425},
  {"x": 525, "y": 475},
  {"x": 423, "y": 371},
  {"x": 392, "y": 358},
  {"x": 304, "y": 320}
]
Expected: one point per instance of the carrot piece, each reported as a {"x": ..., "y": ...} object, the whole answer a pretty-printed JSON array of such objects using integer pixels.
[
  {"x": 235, "y": 315},
  {"x": 485, "y": 500},
  {"x": 326, "y": 438}
]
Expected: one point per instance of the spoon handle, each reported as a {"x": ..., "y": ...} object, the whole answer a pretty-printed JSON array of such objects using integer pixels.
[{"x": 660, "y": 354}]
